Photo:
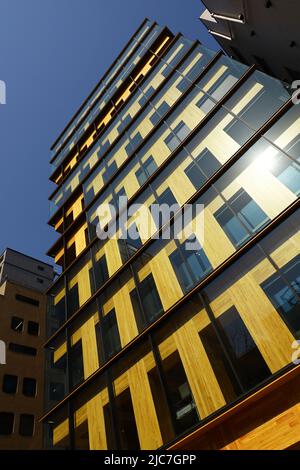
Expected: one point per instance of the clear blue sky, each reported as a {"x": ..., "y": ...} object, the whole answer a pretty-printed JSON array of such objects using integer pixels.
[{"x": 52, "y": 52}]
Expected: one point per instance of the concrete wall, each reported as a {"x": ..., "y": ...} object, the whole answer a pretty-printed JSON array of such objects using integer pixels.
[
  {"x": 25, "y": 271},
  {"x": 22, "y": 365}
]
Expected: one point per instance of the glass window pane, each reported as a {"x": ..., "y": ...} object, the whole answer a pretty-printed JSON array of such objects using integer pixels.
[
  {"x": 10, "y": 384},
  {"x": 92, "y": 417},
  {"x": 194, "y": 362},
  {"x": 6, "y": 423},
  {"x": 256, "y": 307},
  {"x": 262, "y": 96},
  {"x": 137, "y": 388}
]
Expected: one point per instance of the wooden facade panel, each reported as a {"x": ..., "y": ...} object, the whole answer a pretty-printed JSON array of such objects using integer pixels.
[
  {"x": 60, "y": 432},
  {"x": 96, "y": 424},
  {"x": 277, "y": 433},
  {"x": 217, "y": 245},
  {"x": 125, "y": 315},
  {"x": 180, "y": 185},
  {"x": 89, "y": 347},
  {"x": 267, "y": 420},
  {"x": 82, "y": 279},
  {"x": 205, "y": 388},
  {"x": 248, "y": 297},
  {"x": 112, "y": 254},
  {"x": 165, "y": 279},
  {"x": 144, "y": 409},
  {"x": 265, "y": 189}
]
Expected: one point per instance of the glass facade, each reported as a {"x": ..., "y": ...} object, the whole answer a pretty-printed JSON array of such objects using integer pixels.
[{"x": 217, "y": 302}]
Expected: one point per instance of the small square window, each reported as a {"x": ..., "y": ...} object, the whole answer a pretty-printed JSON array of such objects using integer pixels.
[
  {"x": 26, "y": 427},
  {"x": 17, "y": 324},
  {"x": 6, "y": 424},
  {"x": 10, "y": 384},
  {"x": 29, "y": 387},
  {"x": 33, "y": 328}
]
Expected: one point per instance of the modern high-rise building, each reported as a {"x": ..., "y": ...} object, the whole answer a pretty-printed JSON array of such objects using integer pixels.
[
  {"x": 262, "y": 32},
  {"x": 23, "y": 282},
  {"x": 188, "y": 341}
]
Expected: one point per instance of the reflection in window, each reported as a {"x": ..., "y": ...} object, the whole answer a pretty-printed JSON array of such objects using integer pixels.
[
  {"x": 180, "y": 132},
  {"x": 126, "y": 121},
  {"x": 150, "y": 300},
  {"x": 127, "y": 427},
  {"x": 101, "y": 271},
  {"x": 111, "y": 337},
  {"x": 134, "y": 142},
  {"x": 56, "y": 391},
  {"x": 167, "y": 197},
  {"x": 57, "y": 375},
  {"x": 265, "y": 95},
  {"x": 159, "y": 113},
  {"x": 146, "y": 96},
  {"x": 190, "y": 265},
  {"x": 161, "y": 212},
  {"x": 204, "y": 166},
  {"x": 149, "y": 167},
  {"x": 117, "y": 202},
  {"x": 131, "y": 244},
  {"x": 17, "y": 324},
  {"x": 57, "y": 430},
  {"x": 288, "y": 172},
  {"x": 109, "y": 172},
  {"x": 238, "y": 131},
  {"x": 240, "y": 217},
  {"x": 219, "y": 363},
  {"x": 218, "y": 87},
  {"x": 180, "y": 395},
  {"x": 244, "y": 353},
  {"x": 194, "y": 72},
  {"x": 76, "y": 364},
  {"x": 81, "y": 285},
  {"x": 81, "y": 435},
  {"x": 73, "y": 299},
  {"x": 283, "y": 289},
  {"x": 293, "y": 148}
]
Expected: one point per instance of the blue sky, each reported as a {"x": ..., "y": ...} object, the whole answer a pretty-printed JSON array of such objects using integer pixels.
[{"x": 52, "y": 53}]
